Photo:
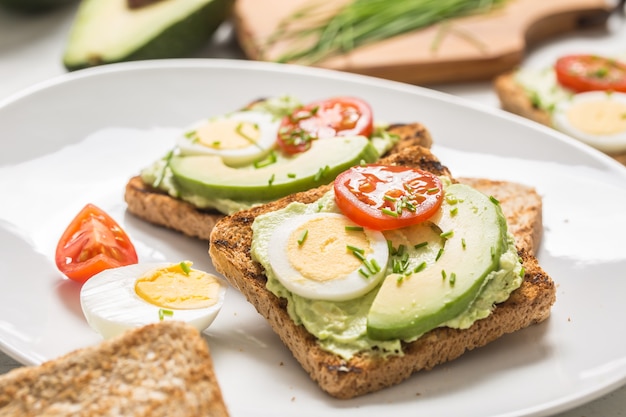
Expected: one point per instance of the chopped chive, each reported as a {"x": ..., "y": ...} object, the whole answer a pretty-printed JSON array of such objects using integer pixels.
[
  {"x": 463, "y": 244},
  {"x": 370, "y": 267},
  {"x": 494, "y": 200},
  {"x": 303, "y": 237},
  {"x": 216, "y": 144},
  {"x": 392, "y": 250},
  {"x": 420, "y": 245},
  {"x": 375, "y": 265},
  {"x": 355, "y": 249},
  {"x": 185, "y": 267},
  {"x": 439, "y": 254},
  {"x": 432, "y": 190},
  {"x": 163, "y": 312},
  {"x": 443, "y": 274},
  {"x": 401, "y": 250},
  {"x": 389, "y": 212},
  {"x": 363, "y": 273},
  {"x": 389, "y": 198},
  {"x": 190, "y": 134},
  {"x": 522, "y": 272},
  {"x": 269, "y": 160},
  {"x": 420, "y": 267},
  {"x": 354, "y": 228},
  {"x": 271, "y": 180},
  {"x": 492, "y": 250},
  {"x": 400, "y": 279},
  {"x": 452, "y": 279},
  {"x": 291, "y": 175},
  {"x": 454, "y": 211},
  {"x": 447, "y": 235},
  {"x": 239, "y": 130}
]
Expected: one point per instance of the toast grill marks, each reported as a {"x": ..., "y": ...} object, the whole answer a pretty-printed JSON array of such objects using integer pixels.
[
  {"x": 531, "y": 303},
  {"x": 161, "y": 209}
]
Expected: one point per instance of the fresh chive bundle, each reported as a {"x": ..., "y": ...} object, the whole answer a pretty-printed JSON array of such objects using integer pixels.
[{"x": 319, "y": 34}]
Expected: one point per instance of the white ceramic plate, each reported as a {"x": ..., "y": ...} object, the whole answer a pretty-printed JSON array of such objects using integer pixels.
[{"x": 78, "y": 138}]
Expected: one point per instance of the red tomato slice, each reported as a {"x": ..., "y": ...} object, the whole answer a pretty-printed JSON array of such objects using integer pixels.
[
  {"x": 590, "y": 73},
  {"x": 339, "y": 116},
  {"x": 93, "y": 242},
  {"x": 384, "y": 197}
]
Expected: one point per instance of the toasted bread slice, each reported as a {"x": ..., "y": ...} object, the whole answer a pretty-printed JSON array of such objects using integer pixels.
[
  {"x": 163, "y": 369},
  {"x": 514, "y": 98},
  {"x": 531, "y": 303},
  {"x": 161, "y": 209}
]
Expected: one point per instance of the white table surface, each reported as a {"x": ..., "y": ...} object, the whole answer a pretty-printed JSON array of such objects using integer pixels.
[{"x": 31, "y": 48}]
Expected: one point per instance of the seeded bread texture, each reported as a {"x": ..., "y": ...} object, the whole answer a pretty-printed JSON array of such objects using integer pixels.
[
  {"x": 514, "y": 98},
  {"x": 531, "y": 303},
  {"x": 161, "y": 209},
  {"x": 162, "y": 369}
]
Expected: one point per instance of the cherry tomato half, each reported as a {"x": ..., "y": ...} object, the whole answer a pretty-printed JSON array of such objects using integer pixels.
[
  {"x": 384, "y": 197},
  {"x": 590, "y": 73},
  {"x": 93, "y": 242},
  {"x": 339, "y": 116}
]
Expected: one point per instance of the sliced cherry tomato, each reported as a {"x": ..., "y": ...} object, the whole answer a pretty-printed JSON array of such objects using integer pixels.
[
  {"x": 93, "y": 242},
  {"x": 387, "y": 197},
  {"x": 339, "y": 116},
  {"x": 590, "y": 73}
]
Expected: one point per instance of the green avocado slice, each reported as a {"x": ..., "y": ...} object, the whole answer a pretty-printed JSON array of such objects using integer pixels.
[
  {"x": 474, "y": 235},
  {"x": 108, "y": 31},
  {"x": 207, "y": 176}
]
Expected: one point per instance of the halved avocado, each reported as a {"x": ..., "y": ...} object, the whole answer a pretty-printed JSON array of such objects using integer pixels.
[{"x": 109, "y": 31}]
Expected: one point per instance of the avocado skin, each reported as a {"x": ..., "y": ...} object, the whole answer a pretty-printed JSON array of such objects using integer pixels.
[
  {"x": 178, "y": 40},
  {"x": 34, "y": 6}
]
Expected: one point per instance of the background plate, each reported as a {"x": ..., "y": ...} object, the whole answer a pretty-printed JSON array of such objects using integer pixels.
[{"x": 79, "y": 137}]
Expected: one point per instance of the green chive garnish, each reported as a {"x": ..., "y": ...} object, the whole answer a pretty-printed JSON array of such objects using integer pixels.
[
  {"x": 439, "y": 254},
  {"x": 354, "y": 228},
  {"x": 452, "y": 279},
  {"x": 355, "y": 249},
  {"x": 185, "y": 267},
  {"x": 389, "y": 212},
  {"x": 303, "y": 237},
  {"x": 271, "y": 180},
  {"x": 447, "y": 235},
  {"x": 420, "y": 245},
  {"x": 420, "y": 267},
  {"x": 291, "y": 175},
  {"x": 494, "y": 200},
  {"x": 164, "y": 312},
  {"x": 463, "y": 243}
]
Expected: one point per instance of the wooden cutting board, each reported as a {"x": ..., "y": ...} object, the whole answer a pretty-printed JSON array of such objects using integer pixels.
[{"x": 465, "y": 49}]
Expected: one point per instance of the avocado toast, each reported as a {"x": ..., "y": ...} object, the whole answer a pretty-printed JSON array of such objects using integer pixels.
[
  {"x": 232, "y": 249},
  {"x": 212, "y": 188}
]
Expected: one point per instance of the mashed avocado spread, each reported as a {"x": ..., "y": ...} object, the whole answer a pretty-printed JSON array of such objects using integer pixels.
[
  {"x": 341, "y": 326},
  {"x": 160, "y": 175}
]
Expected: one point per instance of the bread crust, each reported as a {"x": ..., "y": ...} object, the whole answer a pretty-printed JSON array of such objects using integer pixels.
[
  {"x": 161, "y": 209},
  {"x": 514, "y": 98},
  {"x": 162, "y": 369},
  {"x": 230, "y": 251}
]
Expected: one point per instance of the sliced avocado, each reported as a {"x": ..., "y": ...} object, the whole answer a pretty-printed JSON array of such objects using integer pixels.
[
  {"x": 208, "y": 176},
  {"x": 108, "y": 31},
  {"x": 475, "y": 236},
  {"x": 34, "y": 6}
]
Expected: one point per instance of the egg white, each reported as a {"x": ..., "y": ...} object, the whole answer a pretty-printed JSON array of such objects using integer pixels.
[
  {"x": 610, "y": 143},
  {"x": 267, "y": 125},
  {"x": 111, "y": 305},
  {"x": 340, "y": 288}
]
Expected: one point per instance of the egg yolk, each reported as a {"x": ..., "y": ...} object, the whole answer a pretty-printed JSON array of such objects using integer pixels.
[
  {"x": 178, "y": 287},
  {"x": 318, "y": 249},
  {"x": 604, "y": 117},
  {"x": 228, "y": 134}
]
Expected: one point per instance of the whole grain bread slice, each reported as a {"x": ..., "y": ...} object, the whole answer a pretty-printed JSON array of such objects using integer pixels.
[
  {"x": 515, "y": 99},
  {"x": 162, "y": 369},
  {"x": 531, "y": 303},
  {"x": 159, "y": 208}
]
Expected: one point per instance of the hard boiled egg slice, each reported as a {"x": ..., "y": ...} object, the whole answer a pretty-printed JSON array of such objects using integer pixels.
[
  {"x": 596, "y": 118},
  {"x": 239, "y": 138},
  {"x": 118, "y": 299},
  {"x": 325, "y": 256}
]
